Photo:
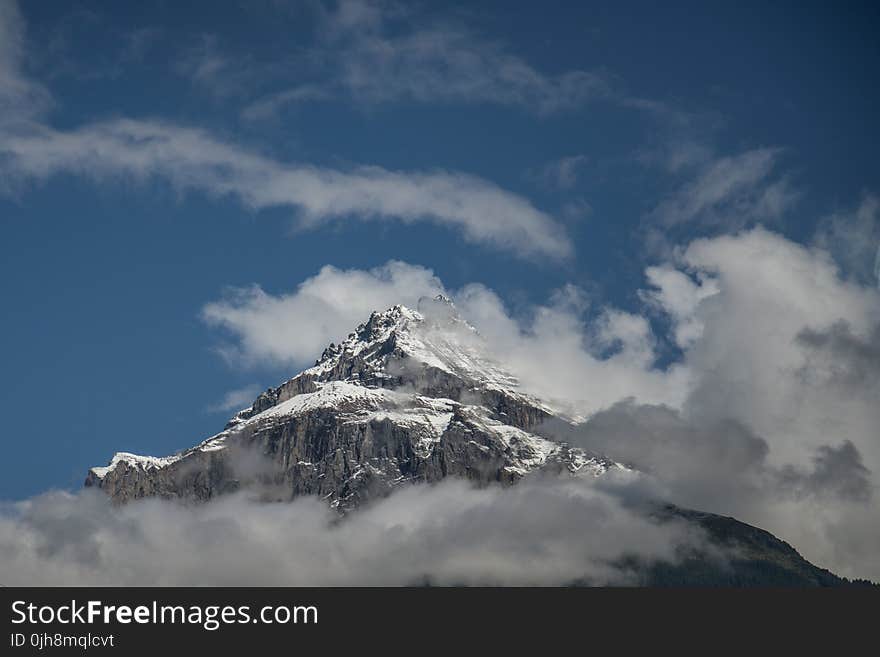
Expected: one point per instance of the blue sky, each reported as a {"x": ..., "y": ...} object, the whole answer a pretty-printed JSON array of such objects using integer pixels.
[{"x": 153, "y": 156}]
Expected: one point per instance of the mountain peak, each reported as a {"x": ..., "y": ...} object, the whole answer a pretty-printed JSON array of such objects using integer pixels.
[
  {"x": 418, "y": 348},
  {"x": 438, "y": 309},
  {"x": 432, "y": 352},
  {"x": 439, "y": 299},
  {"x": 409, "y": 395}
]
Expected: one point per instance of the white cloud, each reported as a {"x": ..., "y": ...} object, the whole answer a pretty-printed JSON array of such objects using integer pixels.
[
  {"x": 736, "y": 305},
  {"x": 678, "y": 295},
  {"x": 732, "y": 191},
  {"x": 748, "y": 360},
  {"x": 762, "y": 359},
  {"x": 677, "y": 152},
  {"x": 562, "y": 173},
  {"x": 269, "y": 106},
  {"x": 536, "y": 533},
  {"x": 853, "y": 238},
  {"x": 237, "y": 399},
  {"x": 296, "y": 327},
  {"x": 777, "y": 420},
  {"x": 190, "y": 159},
  {"x": 551, "y": 350},
  {"x": 379, "y": 52},
  {"x": 582, "y": 366},
  {"x": 205, "y": 64},
  {"x": 448, "y": 64},
  {"x": 21, "y": 99}
]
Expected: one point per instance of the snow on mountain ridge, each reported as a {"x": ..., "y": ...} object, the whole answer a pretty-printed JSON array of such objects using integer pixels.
[
  {"x": 409, "y": 395},
  {"x": 401, "y": 344}
]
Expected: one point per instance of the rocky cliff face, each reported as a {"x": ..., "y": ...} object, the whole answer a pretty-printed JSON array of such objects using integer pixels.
[{"x": 408, "y": 396}]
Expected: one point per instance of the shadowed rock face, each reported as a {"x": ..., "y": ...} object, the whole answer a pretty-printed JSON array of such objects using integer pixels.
[{"x": 346, "y": 458}]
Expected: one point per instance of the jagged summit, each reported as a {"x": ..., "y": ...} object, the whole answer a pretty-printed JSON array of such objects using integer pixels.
[
  {"x": 409, "y": 395},
  {"x": 438, "y": 307},
  {"x": 433, "y": 351},
  {"x": 434, "y": 313}
]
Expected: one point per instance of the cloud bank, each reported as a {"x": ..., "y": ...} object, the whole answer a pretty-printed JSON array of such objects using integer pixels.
[{"x": 541, "y": 533}]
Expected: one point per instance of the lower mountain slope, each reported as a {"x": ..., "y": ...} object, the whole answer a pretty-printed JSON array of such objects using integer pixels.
[{"x": 740, "y": 556}]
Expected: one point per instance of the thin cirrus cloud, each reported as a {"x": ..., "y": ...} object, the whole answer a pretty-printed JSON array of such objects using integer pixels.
[
  {"x": 730, "y": 191},
  {"x": 852, "y": 236},
  {"x": 269, "y": 106},
  {"x": 236, "y": 399},
  {"x": 20, "y": 97},
  {"x": 377, "y": 52},
  {"x": 562, "y": 173},
  {"x": 450, "y": 64},
  {"x": 190, "y": 159}
]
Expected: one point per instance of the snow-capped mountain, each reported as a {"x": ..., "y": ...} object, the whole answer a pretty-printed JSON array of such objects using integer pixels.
[{"x": 410, "y": 395}]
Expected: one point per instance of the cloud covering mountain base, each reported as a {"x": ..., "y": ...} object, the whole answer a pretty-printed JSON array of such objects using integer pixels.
[{"x": 545, "y": 532}]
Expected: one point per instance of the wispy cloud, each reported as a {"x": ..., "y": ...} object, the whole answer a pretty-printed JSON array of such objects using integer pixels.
[
  {"x": 220, "y": 73},
  {"x": 235, "y": 400},
  {"x": 449, "y": 64},
  {"x": 190, "y": 159},
  {"x": 381, "y": 52},
  {"x": 853, "y": 238},
  {"x": 270, "y": 106},
  {"x": 20, "y": 97},
  {"x": 562, "y": 173},
  {"x": 733, "y": 191}
]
